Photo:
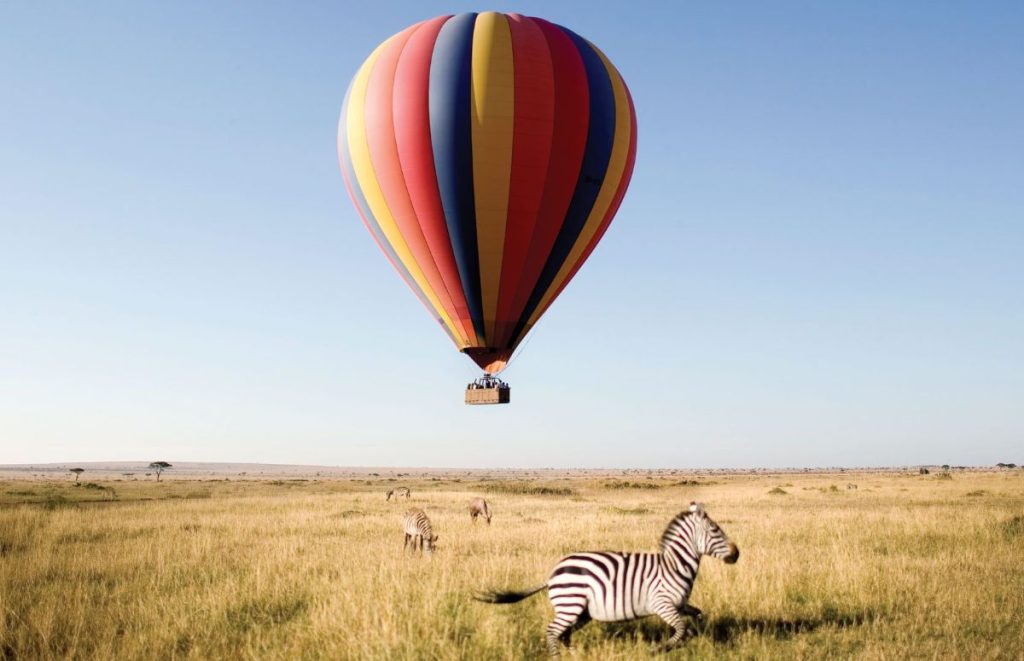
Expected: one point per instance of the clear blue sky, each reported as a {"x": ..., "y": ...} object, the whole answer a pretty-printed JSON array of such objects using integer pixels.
[{"x": 820, "y": 260}]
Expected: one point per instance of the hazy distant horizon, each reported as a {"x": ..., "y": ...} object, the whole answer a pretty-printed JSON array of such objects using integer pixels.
[{"x": 217, "y": 466}]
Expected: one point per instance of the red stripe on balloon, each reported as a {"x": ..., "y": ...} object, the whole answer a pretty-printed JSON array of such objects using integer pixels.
[
  {"x": 411, "y": 119},
  {"x": 534, "y": 95},
  {"x": 380, "y": 138},
  {"x": 569, "y": 137},
  {"x": 627, "y": 174}
]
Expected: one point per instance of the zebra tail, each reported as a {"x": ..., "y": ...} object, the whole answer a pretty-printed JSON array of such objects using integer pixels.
[{"x": 495, "y": 597}]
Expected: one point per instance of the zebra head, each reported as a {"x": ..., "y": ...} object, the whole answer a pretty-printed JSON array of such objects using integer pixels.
[
  {"x": 710, "y": 539},
  {"x": 429, "y": 544}
]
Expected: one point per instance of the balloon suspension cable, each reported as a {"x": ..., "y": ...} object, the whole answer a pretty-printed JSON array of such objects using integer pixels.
[{"x": 522, "y": 347}]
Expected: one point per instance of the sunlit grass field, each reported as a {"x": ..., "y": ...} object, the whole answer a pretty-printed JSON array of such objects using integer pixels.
[{"x": 902, "y": 566}]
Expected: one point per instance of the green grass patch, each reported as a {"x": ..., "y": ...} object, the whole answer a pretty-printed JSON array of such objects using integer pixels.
[
  {"x": 623, "y": 484},
  {"x": 273, "y": 611},
  {"x": 521, "y": 489},
  {"x": 631, "y": 511},
  {"x": 1014, "y": 527}
]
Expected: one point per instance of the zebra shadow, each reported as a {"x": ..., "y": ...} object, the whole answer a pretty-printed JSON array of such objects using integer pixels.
[{"x": 725, "y": 629}]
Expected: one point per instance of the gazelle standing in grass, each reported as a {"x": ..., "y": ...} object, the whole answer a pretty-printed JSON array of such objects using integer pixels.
[
  {"x": 611, "y": 587},
  {"x": 478, "y": 507}
]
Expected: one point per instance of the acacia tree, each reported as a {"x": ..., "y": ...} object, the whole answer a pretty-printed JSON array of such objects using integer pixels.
[
  {"x": 77, "y": 471},
  {"x": 159, "y": 467}
]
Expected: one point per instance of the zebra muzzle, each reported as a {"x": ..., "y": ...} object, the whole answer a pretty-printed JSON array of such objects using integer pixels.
[{"x": 734, "y": 554}]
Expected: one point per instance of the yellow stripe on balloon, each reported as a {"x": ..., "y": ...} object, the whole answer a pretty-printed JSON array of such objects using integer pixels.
[
  {"x": 612, "y": 179},
  {"x": 493, "y": 112},
  {"x": 359, "y": 151}
]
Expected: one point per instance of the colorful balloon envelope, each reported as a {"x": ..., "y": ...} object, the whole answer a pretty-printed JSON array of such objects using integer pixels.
[{"x": 487, "y": 154}]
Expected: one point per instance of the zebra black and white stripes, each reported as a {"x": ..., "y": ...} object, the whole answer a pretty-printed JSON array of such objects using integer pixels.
[
  {"x": 418, "y": 531},
  {"x": 611, "y": 587}
]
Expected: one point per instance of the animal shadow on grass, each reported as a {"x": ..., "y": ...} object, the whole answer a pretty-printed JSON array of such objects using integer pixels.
[{"x": 725, "y": 629}]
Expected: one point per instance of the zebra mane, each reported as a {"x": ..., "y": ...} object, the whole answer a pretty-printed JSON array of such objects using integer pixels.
[{"x": 673, "y": 529}]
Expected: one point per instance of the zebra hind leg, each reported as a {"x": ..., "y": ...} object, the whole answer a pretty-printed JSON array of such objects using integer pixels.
[
  {"x": 568, "y": 618},
  {"x": 673, "y": 618},
  {"x": 566, "y": 637}
]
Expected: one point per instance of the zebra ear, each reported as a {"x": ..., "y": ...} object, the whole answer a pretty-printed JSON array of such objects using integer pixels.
[{"x": 696, "y": 508}]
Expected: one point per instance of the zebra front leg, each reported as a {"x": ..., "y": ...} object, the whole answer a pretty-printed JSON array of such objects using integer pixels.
[
  {"x": 690, "y": 610},
  {"x": 567, "y": 619},
  {"x": 672, "y": 617},
  {"x": 405, "y": 547}
]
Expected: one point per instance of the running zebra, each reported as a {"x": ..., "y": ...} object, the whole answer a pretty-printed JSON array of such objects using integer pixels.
[
  {"x": 400, "y": 491},
  {"x": 478, "y": 507},
  {"x": 418, "y": 532},
  {"x": 611, "y": 587}
]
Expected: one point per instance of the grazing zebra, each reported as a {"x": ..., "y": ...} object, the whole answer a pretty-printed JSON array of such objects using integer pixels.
[
  {"x": 478, "y": 507},
  {"x": 611, "y": 587},
  {"x": 418, "y": 532},
  {"x": 400, "y": 491}
]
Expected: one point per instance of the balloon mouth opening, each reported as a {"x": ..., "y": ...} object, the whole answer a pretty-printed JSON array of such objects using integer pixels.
[{"x": 490, "y": 360}]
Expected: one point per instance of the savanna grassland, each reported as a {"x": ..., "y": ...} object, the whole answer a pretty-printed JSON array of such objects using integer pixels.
[{"x": 902, "y": 566}]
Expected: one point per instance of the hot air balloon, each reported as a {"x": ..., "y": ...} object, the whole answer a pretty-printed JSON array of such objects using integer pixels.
[{"x": 487, "y": 154}]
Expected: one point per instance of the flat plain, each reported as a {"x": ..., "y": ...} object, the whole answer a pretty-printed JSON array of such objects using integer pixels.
[{"x": 877, "y": 565}]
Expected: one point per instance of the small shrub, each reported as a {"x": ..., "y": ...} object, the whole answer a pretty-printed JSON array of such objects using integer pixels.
[
  {"x": 778, "y": 491},
  {"x": 979, "y": 492}
]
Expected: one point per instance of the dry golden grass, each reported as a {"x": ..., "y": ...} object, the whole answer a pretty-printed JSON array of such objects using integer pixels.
[{"x": 903, "y": 566}]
